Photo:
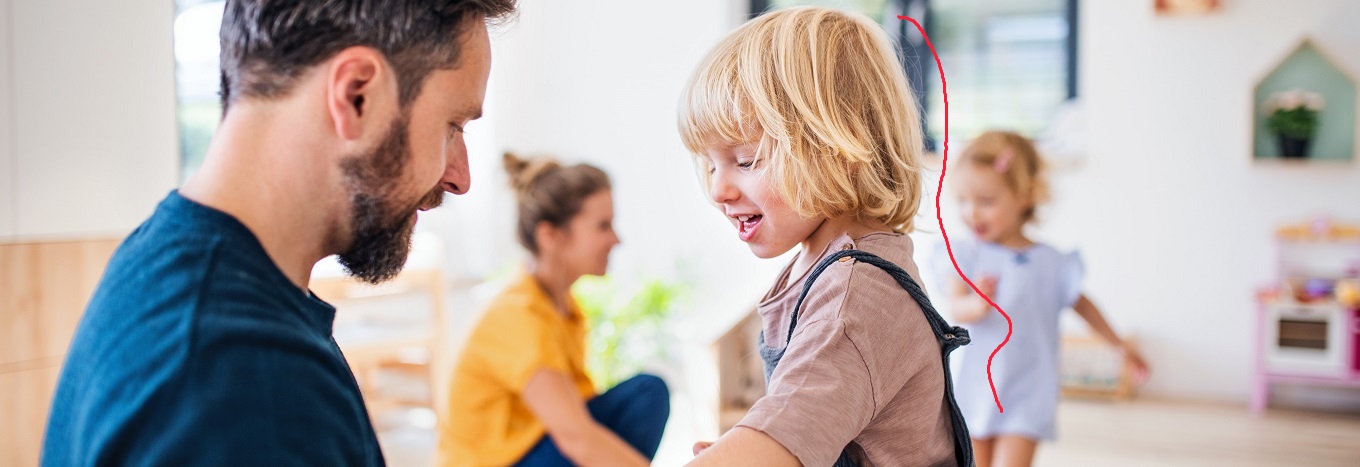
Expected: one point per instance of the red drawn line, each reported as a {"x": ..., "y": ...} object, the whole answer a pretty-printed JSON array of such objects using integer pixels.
[{"x": 938, "y": 190}]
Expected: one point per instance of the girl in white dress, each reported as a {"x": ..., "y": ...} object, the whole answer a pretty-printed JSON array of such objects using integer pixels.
[{"x": 999, "y": 183}]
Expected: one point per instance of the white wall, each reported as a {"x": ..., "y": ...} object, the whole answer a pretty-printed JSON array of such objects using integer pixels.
[
  {"x": 1171, "y": 215},
  {"x": 92, "y": 115},
  {"x": 6, "y": 144},
  {"x": 598, "y": 82},
  {"x": 1173, "y": 219}
]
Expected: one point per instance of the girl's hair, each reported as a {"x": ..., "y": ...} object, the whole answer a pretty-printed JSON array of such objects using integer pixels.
[
  {"x": 822, "y": 94},
  {"x": 546, "y": 191},
  {"x": 1014, "y": 157}
]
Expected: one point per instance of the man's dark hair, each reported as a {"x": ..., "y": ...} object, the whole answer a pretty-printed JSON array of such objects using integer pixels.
[{"x": 268, "y": 44}]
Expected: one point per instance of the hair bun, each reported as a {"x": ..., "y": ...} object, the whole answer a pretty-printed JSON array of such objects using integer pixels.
[{"x": 523, "y": 172}]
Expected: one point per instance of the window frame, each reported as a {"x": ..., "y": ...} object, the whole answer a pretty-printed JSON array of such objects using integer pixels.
[{"x": 918, "y": 61}]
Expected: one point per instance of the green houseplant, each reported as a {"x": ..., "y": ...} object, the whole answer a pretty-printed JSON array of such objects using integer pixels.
[
  {"x": 627, "y": 324},
  {"x": 1293, "y": 117}
]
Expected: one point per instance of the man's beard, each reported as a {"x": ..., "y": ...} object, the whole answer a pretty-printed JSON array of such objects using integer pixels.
[{"x": 381, "y": 226}]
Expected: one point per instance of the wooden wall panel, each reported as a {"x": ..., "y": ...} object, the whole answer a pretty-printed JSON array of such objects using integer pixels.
[
  {"x": 44, "y": 288},
  {"x": 25, "y": 398}
]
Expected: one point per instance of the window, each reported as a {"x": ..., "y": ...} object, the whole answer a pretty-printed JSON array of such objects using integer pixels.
[
  {"x": 1008, "y": 64},
  {"x": 197, "y": 78},
  {"x": 879, "y": 10},
  {"x": 1011, "y": 64}
]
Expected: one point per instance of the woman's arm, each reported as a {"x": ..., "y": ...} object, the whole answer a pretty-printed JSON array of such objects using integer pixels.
[
  {"x": 744, "y": 446},
  {"x": 1091, "y": 314},
  {"x": 553, "y": 398},
  {"x": 966, "y": 306}
]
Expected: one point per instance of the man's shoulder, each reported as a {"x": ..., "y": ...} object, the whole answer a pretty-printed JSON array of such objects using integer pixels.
[
  {"x": 158, "y": 283},
  {"x": 219, "y": 399},
  {"x": 181, "y": 242},
  {"x": 233, "y": 414}
]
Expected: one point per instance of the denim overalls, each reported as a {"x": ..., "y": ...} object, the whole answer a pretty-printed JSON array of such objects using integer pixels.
[{"x": 950, "y": 337}]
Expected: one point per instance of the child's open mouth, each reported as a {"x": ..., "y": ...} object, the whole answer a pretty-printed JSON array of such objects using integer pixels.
[{"x": 746, "y": 227}]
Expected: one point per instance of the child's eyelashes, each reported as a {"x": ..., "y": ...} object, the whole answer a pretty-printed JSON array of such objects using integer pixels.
[{"x": 747, "y": 165}]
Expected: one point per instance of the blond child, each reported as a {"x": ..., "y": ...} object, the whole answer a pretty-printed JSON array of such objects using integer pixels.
[
  {"x": 999, "y": 181},
  {"x": 802, "y": 124}
]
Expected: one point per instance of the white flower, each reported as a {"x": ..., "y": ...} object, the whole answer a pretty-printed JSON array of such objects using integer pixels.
[
  {"x": 1293, "y": 99},
  {"x": 1313, "y": 101}
]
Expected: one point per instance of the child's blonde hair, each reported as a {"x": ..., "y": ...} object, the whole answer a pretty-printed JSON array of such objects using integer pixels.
[
  {"x": 1018, "y": 162},
  {"x": 823, "y": 94}
]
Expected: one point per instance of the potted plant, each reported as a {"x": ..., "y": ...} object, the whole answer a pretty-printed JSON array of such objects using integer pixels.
[
  {"x": 1293, "y": 117},
  {"x": 627, "y": 323}
]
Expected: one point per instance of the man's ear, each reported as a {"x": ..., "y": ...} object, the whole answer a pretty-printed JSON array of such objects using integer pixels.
[{"x": 359, "y": 84}]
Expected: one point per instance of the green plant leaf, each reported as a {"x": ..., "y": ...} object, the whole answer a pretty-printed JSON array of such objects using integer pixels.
[
  {"x": 1298, "y": 123},
  {"x": 626, "y": 324}
]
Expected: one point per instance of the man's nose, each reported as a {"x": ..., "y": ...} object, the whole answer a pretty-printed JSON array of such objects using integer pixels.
[{"x": 457, "y": 177}]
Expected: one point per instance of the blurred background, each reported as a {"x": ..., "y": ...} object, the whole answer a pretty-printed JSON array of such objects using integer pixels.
[{"x": 1229, "y": 258}]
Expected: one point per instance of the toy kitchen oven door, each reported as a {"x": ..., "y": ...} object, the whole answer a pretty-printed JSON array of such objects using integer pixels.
[{"x": 1314, "y": 339}]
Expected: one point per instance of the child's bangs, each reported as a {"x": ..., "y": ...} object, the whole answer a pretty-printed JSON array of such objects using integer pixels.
[{"x": 712, "y": 108}]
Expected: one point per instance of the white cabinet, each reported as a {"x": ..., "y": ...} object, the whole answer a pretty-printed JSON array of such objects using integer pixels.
[{"x": 91, "y": 108}]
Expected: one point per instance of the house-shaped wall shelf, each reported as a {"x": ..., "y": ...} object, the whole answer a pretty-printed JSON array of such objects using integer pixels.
[{"x": 1310, "y": 68}]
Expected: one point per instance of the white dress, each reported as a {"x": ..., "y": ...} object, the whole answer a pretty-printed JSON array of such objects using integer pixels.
[{"x": 1034, "y": 285}]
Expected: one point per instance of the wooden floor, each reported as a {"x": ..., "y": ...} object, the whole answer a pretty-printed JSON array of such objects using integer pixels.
[
  {"x": 1139, "y": 433},
  {"x": 1163, "y": 433}
]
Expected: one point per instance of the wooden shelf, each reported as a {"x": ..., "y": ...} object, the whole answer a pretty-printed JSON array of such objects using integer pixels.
[{"x": 1309, "y": 67}]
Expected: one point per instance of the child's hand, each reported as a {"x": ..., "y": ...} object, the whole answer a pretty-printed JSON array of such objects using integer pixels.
[
  {"x": 1140, "y": 366},
  {"x": 701, "y": 446},
  {"x": 987, "y": 284}
]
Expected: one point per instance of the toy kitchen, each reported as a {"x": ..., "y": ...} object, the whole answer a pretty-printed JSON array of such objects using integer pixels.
[{"x": 1308, "y": 321}]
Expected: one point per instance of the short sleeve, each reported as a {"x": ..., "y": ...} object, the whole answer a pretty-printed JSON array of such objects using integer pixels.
[
  {"x": 1073, "y": 273},
  {"x": 964, "y": 252},
  {"x": 514, "y": 343},
  {"x": 820, "y": 396}
]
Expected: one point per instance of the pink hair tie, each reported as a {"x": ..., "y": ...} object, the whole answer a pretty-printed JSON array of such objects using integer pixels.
[{"x": 1003, "y": 160}]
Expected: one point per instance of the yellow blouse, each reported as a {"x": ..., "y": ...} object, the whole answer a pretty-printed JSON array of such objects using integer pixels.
[{"x": 487, "y": 421}]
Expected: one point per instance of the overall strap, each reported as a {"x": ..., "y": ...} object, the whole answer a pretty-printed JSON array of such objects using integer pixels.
[{"x": 949, "y": 337}]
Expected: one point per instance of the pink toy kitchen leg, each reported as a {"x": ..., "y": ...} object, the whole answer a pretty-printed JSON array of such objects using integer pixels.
[
  {"x": 1260, "y": 392},
  {"x": 1260, "y": 387}
]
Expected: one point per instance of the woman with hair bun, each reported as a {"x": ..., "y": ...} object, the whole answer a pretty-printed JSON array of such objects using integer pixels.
[{"x": 519, "y": 393}]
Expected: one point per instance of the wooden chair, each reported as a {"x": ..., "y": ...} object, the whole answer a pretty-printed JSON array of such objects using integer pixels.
[
  {"x": 376, "y": 343},
  {"x": 1091, "y": 368}
]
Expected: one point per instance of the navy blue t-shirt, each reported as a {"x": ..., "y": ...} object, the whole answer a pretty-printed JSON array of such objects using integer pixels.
[{"x": 197, "y": 350}]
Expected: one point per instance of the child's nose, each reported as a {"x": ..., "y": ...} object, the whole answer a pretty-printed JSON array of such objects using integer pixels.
[{"x": 721, "y": 190}]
